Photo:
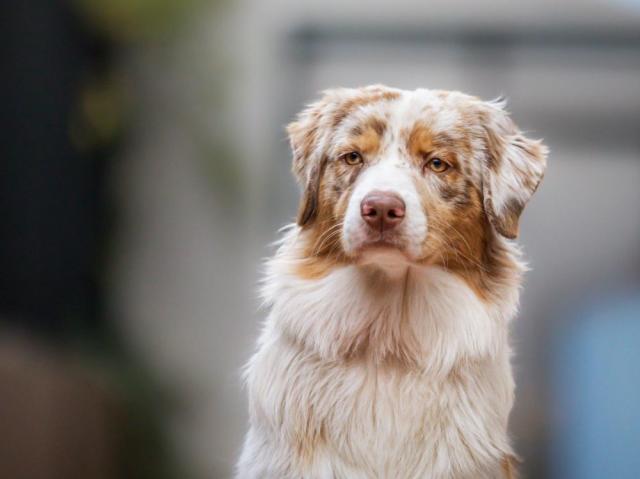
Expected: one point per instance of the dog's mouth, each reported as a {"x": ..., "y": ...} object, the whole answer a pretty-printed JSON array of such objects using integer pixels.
[
  {"x": 380, "y": 243},
  {"x": 383, "y": 248},
  {"x": 383, "y": 240}
]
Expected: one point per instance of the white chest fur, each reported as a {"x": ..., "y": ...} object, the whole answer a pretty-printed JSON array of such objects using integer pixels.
[{"x": 358, "y": 377}]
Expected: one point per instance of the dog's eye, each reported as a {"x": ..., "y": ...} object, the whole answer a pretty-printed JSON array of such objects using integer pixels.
[
  {"x": 437, "y": 165},
  {"x": 352, "y": 158}
]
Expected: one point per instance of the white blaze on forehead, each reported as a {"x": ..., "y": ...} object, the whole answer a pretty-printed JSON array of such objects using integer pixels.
[
  {"x": 359, "y": 118},
  {"x": 427, "y": 107}
]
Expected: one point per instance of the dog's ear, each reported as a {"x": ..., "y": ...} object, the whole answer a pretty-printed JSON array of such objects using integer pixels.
[
  {"x": 513, "y": 168},
  {"x": 307, "y": 136}
]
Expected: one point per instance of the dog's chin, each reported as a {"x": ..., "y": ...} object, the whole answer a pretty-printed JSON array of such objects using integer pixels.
[{"x": 387, "y": 255}]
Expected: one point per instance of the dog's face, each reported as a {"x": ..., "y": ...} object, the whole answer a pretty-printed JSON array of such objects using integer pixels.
[{"x": 426, "y": 176}]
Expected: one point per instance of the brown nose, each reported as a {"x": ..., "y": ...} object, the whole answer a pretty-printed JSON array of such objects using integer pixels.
[{"x": 382, "y": 211}]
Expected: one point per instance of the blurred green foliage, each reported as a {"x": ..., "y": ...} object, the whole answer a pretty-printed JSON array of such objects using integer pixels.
[
  {"x": 100, "y": 123},
  {"x": 99, "y": 116},
  {"x": 138, "y": 20}
]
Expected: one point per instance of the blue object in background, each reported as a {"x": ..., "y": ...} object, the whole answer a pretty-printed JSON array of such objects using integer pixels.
[{"x": 596, "y": 393}]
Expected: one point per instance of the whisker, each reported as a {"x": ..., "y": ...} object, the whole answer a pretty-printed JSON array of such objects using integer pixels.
[
  {"x": 457, "y": 252},
  {"x": 327, "y": 236}
]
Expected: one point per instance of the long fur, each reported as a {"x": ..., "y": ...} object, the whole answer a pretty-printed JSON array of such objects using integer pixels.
[{"x": 369, "y": 371}]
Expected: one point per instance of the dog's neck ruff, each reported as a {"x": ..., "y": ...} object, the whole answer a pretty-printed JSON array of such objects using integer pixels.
[{"x": 425, "y": 318}]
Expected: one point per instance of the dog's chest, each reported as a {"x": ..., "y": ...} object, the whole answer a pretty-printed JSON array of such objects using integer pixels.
[
  {"x": 427, "y": 397},
  {"x": 383, "y": 420}
]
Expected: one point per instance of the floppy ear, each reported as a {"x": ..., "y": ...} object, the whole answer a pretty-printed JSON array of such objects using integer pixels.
[
  {"x": 513, "y": 169},
  {"x": 308, "y": 136}
]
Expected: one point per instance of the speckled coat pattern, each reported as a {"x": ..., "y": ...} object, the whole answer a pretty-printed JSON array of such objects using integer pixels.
[{"x": 385, "y": 354}]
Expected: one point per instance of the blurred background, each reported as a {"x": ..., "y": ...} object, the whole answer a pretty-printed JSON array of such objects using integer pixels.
[{"x": 145, "y": 169}]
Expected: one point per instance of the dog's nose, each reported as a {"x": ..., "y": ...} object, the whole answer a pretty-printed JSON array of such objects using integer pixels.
[{"x": 382, "y": 211}]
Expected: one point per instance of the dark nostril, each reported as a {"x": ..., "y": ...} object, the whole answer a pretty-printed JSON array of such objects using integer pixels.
[
  {"x": 368, "y": 210},
  {"x": 395, "y": 213}
]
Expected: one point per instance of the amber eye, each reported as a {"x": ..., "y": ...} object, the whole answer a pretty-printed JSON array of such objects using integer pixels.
[
  {"x": 437, "y": 165},
  {"x": 352, "y": 158}
]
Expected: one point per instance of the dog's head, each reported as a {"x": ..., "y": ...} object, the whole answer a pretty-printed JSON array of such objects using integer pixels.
[{"x": 423, "y": 176}]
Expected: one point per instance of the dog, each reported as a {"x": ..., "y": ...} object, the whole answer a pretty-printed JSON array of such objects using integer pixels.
[{"x": 386, "y": 351}]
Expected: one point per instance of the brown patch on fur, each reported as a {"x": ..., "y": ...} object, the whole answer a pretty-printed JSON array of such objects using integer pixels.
[
  {"x": 308, "y": 206},
  {"x": 368, "y": 143},
  {"x": 507, "y": 222},
  {"x": 481, "y": 261},
  {"x": 419, "y": 141},
  {"x": 378, "y": 125},
  {"x": 317, "y": 267},
  {"x": 501, "y": 136},
  {"x": 327, "y": 201},
  {"x": 509, "y": 468},
  {"x": 321, "y": 248},
  {"x": 494, "y": 142},
  {"x": 461, "y": 240},
  {"x": 448, "y": 192},
  {"x": 305, "y": 133},
  {"x": 304, "y": 136},
  {"x": 497, "y": 268},
  {"x": 367, "y": 97},
  {"x": 423, "y": 142},
  {"x": 356, "y": 131}
]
